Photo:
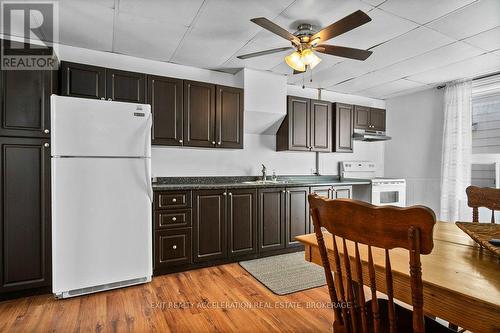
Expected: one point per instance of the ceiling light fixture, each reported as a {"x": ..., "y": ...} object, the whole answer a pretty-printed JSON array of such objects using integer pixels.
[{"x": 295, "y": 61}]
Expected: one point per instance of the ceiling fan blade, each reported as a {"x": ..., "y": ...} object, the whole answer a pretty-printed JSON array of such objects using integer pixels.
[
  {"x": 346, "y": 24},
  {"x": 275, "y": 29},
  {"x": 261, "y": 53},
  {"x": 345, "y": 52}
]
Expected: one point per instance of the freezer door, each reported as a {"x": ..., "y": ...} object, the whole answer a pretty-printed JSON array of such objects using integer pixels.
[
  {"x": 88, "y": 127},
  {"x": 101, "y": 221}
]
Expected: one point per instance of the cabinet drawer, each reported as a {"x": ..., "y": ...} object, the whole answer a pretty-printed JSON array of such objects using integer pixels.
[
  {"x": 178, "y": 199},
  {"x": 173, "y": 219},
  {"x": 172, "y": 247}
]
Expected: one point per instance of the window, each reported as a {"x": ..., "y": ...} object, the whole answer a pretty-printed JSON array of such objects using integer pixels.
[{"x": 486, "y": 132}]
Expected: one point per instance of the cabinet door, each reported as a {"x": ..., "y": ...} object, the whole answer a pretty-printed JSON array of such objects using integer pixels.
[
  {"x": 325, "y": 191},
  {"x": 165, "y": 97},
  {"x": 321, "y": 125},
  {"x": 242, "y": 222},
  {"x": 79, "y": 80},
  {"x": 377, "y": 119},
  {"x": 361, "y": 117},
  {"x": 25, "y": 103},
  {"x": 343, "y": 139},
  {"x": 297, "y": 214},
  {"x": 342, "y": 192},
  {"x": 271, "y": 210},
  {"x": 25, "y": 236},
  {"x": 229, "y": 117},
  {"x": 125, "y": 86},
  {"x": 172, "y": 248},
  {"x": 298, "y": 122},
  {"x": 209, "y": 225},
  {"x": 199, "y": 114}
]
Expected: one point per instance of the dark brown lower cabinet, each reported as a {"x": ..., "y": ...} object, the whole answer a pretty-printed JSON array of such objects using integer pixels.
[
  {"x": 271, "y": 210},
  {"x": 209, "y": 225},
  {"x": 297, "y": 214},
  {"x": 242, "y": 222},
  {"x": 25, "y": 236},
  {"x": 172, "y": 247}
]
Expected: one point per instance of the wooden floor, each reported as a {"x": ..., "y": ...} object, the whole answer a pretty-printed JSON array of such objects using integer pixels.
[{"x": 215, "y": 299}]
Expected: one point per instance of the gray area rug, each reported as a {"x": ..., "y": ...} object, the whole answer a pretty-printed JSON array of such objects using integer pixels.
[{"x": 285, "y": 274}]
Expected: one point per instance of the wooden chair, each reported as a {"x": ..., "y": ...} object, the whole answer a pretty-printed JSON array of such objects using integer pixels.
[
  {"x": 483, "y": 197},
  {"x": 382, "y": 227}
]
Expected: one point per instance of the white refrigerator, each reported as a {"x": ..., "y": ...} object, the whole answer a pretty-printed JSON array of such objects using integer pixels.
[{"x": 101, "y": 195}]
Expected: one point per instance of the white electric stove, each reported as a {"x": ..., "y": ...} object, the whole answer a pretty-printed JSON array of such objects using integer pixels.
[{"x": 385, "y": 191}]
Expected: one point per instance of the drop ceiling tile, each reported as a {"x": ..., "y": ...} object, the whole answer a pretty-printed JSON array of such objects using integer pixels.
[
  {"x": 390, "y": 88},
  {"x": 221, "y": 29},
  {"x": 169, "y": 11},
  {"x": 468, "y": 21},
  {"x": 436, "y": 58},
  {"x": 488, "y": 40},
  {"x": 483, "y": 64},
  {"x": 364, "y": 82},
  {"x": 374, "y": 2},
  {"x": 422, "y": 11},
  {"x": 146, "y": 38},
  {"x": 332, "y": 75}
]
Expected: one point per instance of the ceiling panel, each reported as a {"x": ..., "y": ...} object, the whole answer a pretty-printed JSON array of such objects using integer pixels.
[
  {"x": 433, "y": 59},
  {"x": 391, "y": 88},
  {"x": 173, "y": 12},
  {"x": 146, "y": 38},
  {"x": 418, "y": 11},
  {"x": 483, "y": 64},
  {"x": 374, "y": 2},
  {"x": 477, "y": 17},
  {"x": 364, "y": 82},
  {"x": 221, "y": 29},
  {"x": 488, "y": 40}
]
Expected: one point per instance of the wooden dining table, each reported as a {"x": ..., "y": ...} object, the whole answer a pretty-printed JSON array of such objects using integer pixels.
[{"x": 461, "y": 281}]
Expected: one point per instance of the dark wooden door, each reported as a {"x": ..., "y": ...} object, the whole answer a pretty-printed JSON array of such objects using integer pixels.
[
  {"x": 199, "y": 114},
  {"x": 242, "y": 222},
  {"x": 25, "y": 103},
  {"x": 297, "y": 214},
  {"x": 209, "y": 225},
  {"x": 361, "y": 117},
  {"x": 79, "y": 80},
  {"x": 321, "y": 125},
  {"x": 25, "y": 236},
  {"x": 299, "y": 123},
  {"x": 377, "y": 119},
  {"x": 229, "y": 117},
  {"x": 344, "y": 128},
  {"x": 125, "y": 86},
  {"x": 165, "y": 96},
  {"x": 172, "y": 247},
  {"x": 271, "y": 217}
]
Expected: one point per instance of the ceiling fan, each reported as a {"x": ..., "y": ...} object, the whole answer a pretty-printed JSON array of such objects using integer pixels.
[{"x": 306, "y": 40}]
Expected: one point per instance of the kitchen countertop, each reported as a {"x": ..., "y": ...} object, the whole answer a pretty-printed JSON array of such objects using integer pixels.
[{"x": 206, "y": 183}]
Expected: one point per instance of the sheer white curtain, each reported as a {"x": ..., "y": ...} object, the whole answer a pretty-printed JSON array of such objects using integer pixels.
[{"x": 456, "y": 151}]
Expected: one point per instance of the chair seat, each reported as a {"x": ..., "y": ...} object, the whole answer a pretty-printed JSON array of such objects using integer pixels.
[{"x": 404, "y": 319}]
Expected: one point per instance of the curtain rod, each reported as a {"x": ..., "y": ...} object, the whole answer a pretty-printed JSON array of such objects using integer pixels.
[{"x": 474, "y": 78}]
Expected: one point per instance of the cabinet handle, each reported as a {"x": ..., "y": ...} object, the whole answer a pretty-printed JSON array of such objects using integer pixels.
[
  {"x": 180, "y": 141},
  {"x": 225, "y": 193},
  {"x": 174, "y": 200},
  {"x": 109, "y": 99},
  {"x": 283, "y": 191},
  {"x": 230, "y": 194},
  {"x": 102, "y": 98},
  {"x": 174, "y": 218},
  {"x": 219, "y": 143},
  {"x": 174, "y": 247},
  {"x": 46, "y": 131},
  {"x": 213, "y": 142},
  {"x": 46, "y": 145}
]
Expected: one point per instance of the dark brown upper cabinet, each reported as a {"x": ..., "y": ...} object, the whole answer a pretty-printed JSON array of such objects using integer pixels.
[
  {"x": 79, "y": 80},
  {"x": 229, "y": 117},
  {"x": 369, "y": 118},
  {"x": 241, "y": 222},
  {"x": 199, "y": 114},
  {"x": 165, "y": 96},
  {"x": 306, "y": 127},
  {"x": 25, "y": 242},
  {"x": 209, "y": 225},
  {"x": 271, "y": 219},
  {"x": 125, "y": 86},
  {"x": 296, "y": 214},
  {"x": 25, "y": 103},
  {"x": 344, "y": 128}
]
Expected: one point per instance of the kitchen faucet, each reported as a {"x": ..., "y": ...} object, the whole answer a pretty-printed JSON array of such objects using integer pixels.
[{"x": 264, "y": 171}]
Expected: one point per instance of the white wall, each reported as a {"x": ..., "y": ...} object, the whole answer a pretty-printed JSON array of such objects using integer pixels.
[{"x": 415, "y": 123}]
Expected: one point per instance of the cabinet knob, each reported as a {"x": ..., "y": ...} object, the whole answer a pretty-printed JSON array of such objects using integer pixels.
[
  {"x": 109, "y": 99},
  {"x": 213, "y": 142},
  {"x": 225, "y": 193},
  {"x": 219, "y": 143},
  {"x": 180, "y": 141},
  {"x": 230, "y": 194},
  {"x": 46, "y": 131},
  {"x": 102, "y": 98},
  {"x": 174, "y": 247},
  {"x": 174, "y": 200},
  {"x": 283, "y": 191},
  {"x": 174, "y": 218},
  {"x": 46, "y": 145}
]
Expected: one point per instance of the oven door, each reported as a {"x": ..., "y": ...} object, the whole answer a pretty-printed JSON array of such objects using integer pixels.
[{"x": 389, "y": 194}]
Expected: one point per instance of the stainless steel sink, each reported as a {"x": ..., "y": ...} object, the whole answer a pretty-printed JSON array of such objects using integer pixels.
[{"x": 263, "y": 182}]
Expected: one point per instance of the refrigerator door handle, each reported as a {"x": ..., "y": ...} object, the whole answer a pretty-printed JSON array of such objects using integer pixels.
[{"x": 147, "y": 160}]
